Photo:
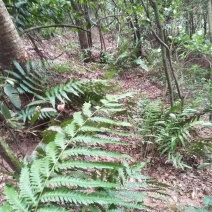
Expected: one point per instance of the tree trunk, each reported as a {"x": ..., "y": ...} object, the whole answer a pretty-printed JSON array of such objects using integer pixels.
[
  {"x": 82, "y": 35},
  {"x": 210, "y": 18},
  {"x": 168, "y": 78},
  {"x": 11, "y": 47},
  {"x": 88, "y": 24}
]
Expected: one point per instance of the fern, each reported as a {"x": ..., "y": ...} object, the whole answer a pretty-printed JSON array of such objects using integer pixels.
[
  {"x": 26, "y": 79},
  {"x": 68, "y": 171},
  {"x": 29, "y": 79},
  {"x": 74, "y": 92}
]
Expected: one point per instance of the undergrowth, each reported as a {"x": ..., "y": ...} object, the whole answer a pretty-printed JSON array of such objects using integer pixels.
[
  {"x": 68, "y": 170},
  {"x": 167, "y": 131},
  {"x": 28, "y": 80}
]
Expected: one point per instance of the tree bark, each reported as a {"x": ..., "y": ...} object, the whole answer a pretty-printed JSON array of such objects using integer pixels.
[
  {"x": 82, "y": 35},
  {"x": 11, "y": 46},
  {"x": 163, "y": 49},
  {"x": 210, "y": 18}
]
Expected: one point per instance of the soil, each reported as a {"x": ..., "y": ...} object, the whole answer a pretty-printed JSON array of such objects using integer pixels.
[{"x": 187, "y": 187}]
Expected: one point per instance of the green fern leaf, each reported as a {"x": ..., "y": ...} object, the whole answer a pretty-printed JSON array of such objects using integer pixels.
[
  {"x": 33, "y": 82},
  {"x": 12, "y": 93},
  {"x": 26, "y": 190},
  {"x": 95, "y": 140},
  {"x": 14, "y": 200},
  {"x": 78, "y": 118},
  {"x": 85, "y": 165},
  {"x": 51, "y": 98},
  {"x": 57, "y": 93},
  {"x": 109, "y": 121},
  {"x": 20, "y": 90},
  {"x": 60, "y": 195},
  {"x": 70, "y": 129},
  {"x": 86, "y": 109},
  {"x": 37, "y": 102},
  {"x": 38, "y": 79},
  {"x": 76, "y": 86},
  {"x": 52, "y": 152},
  {"x": 60, "y": 140},
  {"x": 71, "y": 90},
  {"x": 37, "y": 179},
  {"x": 19, "y": 68},
  {"x": 70, "y": 181},
  {"x": 30, "y": 85},
  {"x": 26, "y": 89},
  {"x": 93, "y": 153},
  {"x": 63, "y": 93},
  {"x": 46, "y": 167},
  {"x": 6, "y": 208},
  {"x": 13, "y": 74},
  {"x": 110, "y": 104},
  {"x": 91, "y": 129},
  {"x": 4, "y": 110}
]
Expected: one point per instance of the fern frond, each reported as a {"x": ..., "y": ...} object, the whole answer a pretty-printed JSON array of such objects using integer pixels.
[
  {"x": 19, "y": 68},
  {"x": 91, "y": 129},
  {"x": 109, "y": 121},
  {"x": 70, "y": 129},
  {"x": 13, "y": 95},
  {"x": 60, "y": 195},
  {"x": 86, "y": 165},
  {"x": 78, "y": 118},
  {"x": 52, "y": 152},
  {"x": 61, "y": 176},
  {"x": 76, "y": 182},
  {"x": 86, "y": 110},
  {"x": 37, "y": 179},
  {"x": 95, "y": 140},
  {"x": 93, "y": 152},
  {"x": 30, "y": 111},
  {"x": 6, "y": 207},
  {"x": 60, "y": 140},
  {"x": 26, "y": 190},
  {"x": 16, "y": 203}
]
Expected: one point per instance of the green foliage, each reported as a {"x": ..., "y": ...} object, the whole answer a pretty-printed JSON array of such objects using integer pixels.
[
  {"x": 166, "y": 129},
  {"x": 124, "y": 57},
  {"x": 68, "y": 169},
  {"x": 29, "y": 80},
  {"x": 197, "y": 43},
  {"x": 24, "y": 79}
]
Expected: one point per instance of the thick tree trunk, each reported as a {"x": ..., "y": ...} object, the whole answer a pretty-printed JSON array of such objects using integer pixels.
[{"x": 11, "y": 47}]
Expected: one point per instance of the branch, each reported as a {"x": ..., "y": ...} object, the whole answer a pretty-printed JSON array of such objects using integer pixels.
[{"x": 54, "y": 25}]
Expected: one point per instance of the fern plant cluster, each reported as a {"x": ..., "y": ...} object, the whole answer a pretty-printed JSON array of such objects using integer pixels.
[
  {"x": 67, "y": 172},
  {"x": 29, "y": 79},
  {"x": 167, "y": 130}
]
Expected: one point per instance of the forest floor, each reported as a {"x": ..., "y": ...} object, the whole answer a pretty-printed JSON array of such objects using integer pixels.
[{"x": 187, "y": 187}]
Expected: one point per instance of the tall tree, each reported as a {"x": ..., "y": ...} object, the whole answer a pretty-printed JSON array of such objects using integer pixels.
[
  {"x": 11, "y": 47},
  {"x": 210, "y": 18},
  {"x": 85, "y": 38}
]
